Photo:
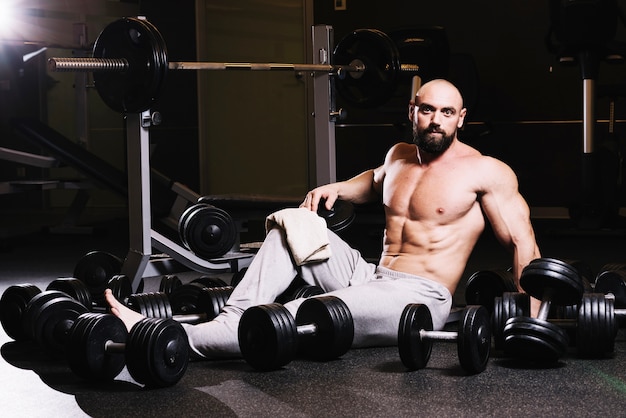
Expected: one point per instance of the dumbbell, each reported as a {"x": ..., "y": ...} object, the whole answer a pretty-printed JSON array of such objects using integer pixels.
[
  {"x": 269, "y": 336},
  {"x": 551, "y": 281},
  {"x": 95, "y": 269},
  {"x": 200, "y": 307},
  {"x": 97, "y": 346},
  {"x": 15, "y": 299},
  {"x": 416, "y": 337},
  {"x": 485, "y": 285},
  {"x": 612, "y": 279},
  {"x": 13, "y": 303}
]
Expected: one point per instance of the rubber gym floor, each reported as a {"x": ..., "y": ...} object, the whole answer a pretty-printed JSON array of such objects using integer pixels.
[{"x": 364, "y": 382}]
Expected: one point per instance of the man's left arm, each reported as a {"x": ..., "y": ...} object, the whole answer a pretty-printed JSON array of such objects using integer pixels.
[{"x": 509, "y": 215}]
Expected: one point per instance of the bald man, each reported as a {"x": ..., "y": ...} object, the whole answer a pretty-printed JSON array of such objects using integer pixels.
[{"x": 436, "y": 192}]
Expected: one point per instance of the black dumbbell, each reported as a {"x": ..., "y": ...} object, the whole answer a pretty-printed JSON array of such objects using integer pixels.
[
  {"x": 97, "y": 346},
  {"x": 612, "y": 279},
  {"x": 202, "y": 307},
  {"x": 416, "y": 337},
  {"x": 485, "y": 285},
  {"x": 551, "y": 281},
  {"x": 95, "y": 269},
  {"x": 591, "y": 323},
  {"x": 269, "y": 336},
  {"x": 13, "y": 303}
]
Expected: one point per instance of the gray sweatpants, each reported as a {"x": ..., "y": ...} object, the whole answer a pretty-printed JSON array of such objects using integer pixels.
[{"x": 375, "y": 295}]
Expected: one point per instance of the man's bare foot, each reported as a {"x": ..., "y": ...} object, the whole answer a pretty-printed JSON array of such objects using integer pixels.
[{"x": 127, "y": 315}]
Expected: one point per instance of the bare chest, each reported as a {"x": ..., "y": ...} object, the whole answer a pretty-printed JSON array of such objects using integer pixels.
[{"x": 441, "y": 194}]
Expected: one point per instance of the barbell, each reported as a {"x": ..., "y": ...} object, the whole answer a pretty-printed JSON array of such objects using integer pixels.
[{"x": 129, "y": 63}]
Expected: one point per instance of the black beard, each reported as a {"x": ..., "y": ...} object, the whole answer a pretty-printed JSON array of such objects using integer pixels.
[{"x": 427, "y": 141}]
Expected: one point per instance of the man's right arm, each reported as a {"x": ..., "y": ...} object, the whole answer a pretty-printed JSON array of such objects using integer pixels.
[{"x": 359, "y": 189}]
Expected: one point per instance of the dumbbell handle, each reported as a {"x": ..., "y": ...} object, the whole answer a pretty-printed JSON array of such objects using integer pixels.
[
  {"x": 113, "y": 347},
  {"x": 307, "y": 329},
  {"x": 190, "y": 318},
  {"x": 439, "y": 335}
]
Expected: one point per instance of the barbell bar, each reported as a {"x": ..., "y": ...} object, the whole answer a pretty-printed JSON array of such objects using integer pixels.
[{"x": 129, "y": 62}]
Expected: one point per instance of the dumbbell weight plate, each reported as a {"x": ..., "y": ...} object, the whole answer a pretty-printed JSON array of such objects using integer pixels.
[
  {"x": 509, "y": 305},
  {"x": 95, "y": 269},
  {"x": 534, "y": 339},
  {"x": 268, "y": 336},
  {"x": 13, "y": 304},
  {"x": 207, "y": 231},
  {"x": 74, "y": 288},
  {"x": 151, "y": 305},
  {"x": 32, "y": 310},
  {"x": 474, "y": 339},
  {"x": 168, "y": 283},
  {"x": 184, "y": 299},
  {"x": 306, "y": 291},
  {"x": 86, "y": 353},
  {"x": 485, "y": 285},
  {"x": 548, "y": 273},
  {"x": 122, "y": 288},
  {"x": 157, "y": 352},
  {"x": 614, "y": 282},
  {"x": 414, "y": 351},
  {"x": 207, "y": 281},
  {"x": 339, "y": 217},
  {"x": 212, "y": 299},
  {"x": 53, "y": 319},
  {"x": 335, "y": 328},
  {"x": 596, "y": 328}
]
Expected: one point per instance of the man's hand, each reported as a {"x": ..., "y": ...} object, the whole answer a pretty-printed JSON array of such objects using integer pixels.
[{"x": 330, "y": 192}]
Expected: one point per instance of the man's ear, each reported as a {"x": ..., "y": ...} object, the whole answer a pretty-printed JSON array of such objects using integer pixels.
[
  {"x": 462, "y": 114},
  {"x": 411, "y": 110}
]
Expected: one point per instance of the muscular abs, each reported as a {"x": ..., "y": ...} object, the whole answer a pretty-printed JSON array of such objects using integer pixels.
[{"x": 433, "y": 220}]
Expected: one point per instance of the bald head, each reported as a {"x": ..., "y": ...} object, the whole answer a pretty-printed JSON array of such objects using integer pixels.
[{"x": 442, "y": 90}]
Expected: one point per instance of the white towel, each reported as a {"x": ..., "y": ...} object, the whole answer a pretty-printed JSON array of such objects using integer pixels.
[{"x": 306, "y": 232}]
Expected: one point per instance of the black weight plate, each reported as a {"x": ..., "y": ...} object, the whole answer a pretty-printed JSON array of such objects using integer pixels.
[
  {"x": 31, "y": 312},
  {"x": 73, "y": 287},
  {"x": 414, "y": 351},
  {"x": 307, "y": 291},
  {"x": 207, "y": 231},
  {"x": 184, "y": 299},
  {"x": 596, "y": 328},
  {"x": 121, "y": 287},
  {"x": 168, "y": 283},
  {"x": 95, "y": 269},
  {"x": 210, "y": 281},
  {"x": 157, "y": 352},
  {"x": 13, "y": 303},
  {"x": 509, "y": 305},
  {"x": 484, "y": 285},
  {"x": 86, "y": 350},
  {"x": 474, "y": 339},
  {"x": 212, "y": 299},
  {"x": 377, "y": 84},
  {"x": 151, "y": 305},
  {"x": 53, "y": 320},
  {"x": 268, "y": 336},
  {"x": 334, "y": 328},
  {"x": 555, "y": 276},
  {"x": 339, "y": 217},
  {"x": 141, "y": 44},
  {"x": 614, "y": 282},
  {"x": 534, "y": 340}
]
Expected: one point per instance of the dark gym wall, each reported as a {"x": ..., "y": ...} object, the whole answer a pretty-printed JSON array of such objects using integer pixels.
[{"x": 525, "y": 108}]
